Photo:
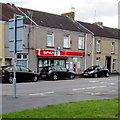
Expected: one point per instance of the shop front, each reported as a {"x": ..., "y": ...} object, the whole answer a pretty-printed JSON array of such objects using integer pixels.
[{"x": 57, "y": 58}]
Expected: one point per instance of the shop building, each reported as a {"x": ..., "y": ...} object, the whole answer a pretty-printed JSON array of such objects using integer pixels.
[{"x": 50, "y": 39}]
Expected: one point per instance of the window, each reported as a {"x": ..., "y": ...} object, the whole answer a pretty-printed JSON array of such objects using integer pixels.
[
  {"x": 98, "y": 61},
  {"x": 81, "y": 43},
  {"x": 50, "y": 39},
  {"x": 66, "y": 41},
  {"x": 22, "y": 59},
  {"x": 113, "y": 47},
  {"x": 98, "y": 46}
]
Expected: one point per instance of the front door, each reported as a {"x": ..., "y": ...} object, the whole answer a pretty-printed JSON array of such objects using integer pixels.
[{"x": 108, "y": 62}]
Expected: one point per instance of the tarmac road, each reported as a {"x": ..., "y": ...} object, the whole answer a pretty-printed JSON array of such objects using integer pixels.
[{"x": 37, "y": 94}]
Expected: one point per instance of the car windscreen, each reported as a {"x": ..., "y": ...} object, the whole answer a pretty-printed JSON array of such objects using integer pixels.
[
  {"x": 92, "y": 68},
  {"x": 46, "y": 69}
]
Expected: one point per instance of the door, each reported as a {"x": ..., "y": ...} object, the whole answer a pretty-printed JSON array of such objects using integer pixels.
[{"x": 108, "y": 62}]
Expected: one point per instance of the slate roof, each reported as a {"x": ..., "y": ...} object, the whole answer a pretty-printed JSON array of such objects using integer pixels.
[
  {"x": 41, "y": 18},
  {"x": 102, "y": 31}
]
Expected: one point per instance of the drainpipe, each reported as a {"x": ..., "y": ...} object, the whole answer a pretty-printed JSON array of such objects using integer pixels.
[
  {"x": 93, "y": 48},
  {"x": 85, "y": 51}
]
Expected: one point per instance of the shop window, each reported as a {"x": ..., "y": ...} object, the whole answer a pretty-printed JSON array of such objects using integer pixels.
[
  {"x": 112, "y": 47},
  {"x": 66, "y": 41},
  {"x": 98, "y": 46},
  {"x": 22, "y": 59},
  {"x": 81, "y": 43},
  {"x": 50, "y": 39}
]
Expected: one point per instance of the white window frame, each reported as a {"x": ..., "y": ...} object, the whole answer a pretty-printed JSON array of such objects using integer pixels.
[
  {"x": 98, "y": 46},
  {"x": 22, "y": 59},
  {"x": 97, "y": 60},
  {"x": 66, "y": 41},
  {"x": 50, "y": 39},
  {"x": 81, "y": 41},
  {"x": 113, "y": 47}
]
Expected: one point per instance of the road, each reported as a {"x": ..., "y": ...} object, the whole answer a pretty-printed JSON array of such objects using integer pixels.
[{"x": 37, "y": 94}]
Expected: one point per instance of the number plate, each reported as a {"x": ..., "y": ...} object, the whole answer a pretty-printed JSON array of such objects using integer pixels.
[{"x": 43, "y": 75}]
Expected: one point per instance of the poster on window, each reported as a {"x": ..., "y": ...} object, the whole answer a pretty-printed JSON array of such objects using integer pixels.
[
  {"x": 40, "y": 63},
  {"x": 71, "y": 65},
  {"x": 78, "y": 65},
  {"x": 45, "y": 63}
]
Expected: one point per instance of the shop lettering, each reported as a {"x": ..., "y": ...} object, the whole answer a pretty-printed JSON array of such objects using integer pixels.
[{"x": 48, "y": 52}]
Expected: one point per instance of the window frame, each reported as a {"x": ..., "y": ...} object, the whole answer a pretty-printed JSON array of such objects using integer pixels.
[
  {"x": 98, "y": 46},
  {"x": 66, "y": 40},
  {"x": 22, "y": 58},
  {"x": 50, "y": 35},
  {"x": 81, "y": 42},
  {"x": 112, "y": 47}
]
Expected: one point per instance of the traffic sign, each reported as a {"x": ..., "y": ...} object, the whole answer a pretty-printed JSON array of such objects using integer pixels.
[{"x": 16, "y": 34}]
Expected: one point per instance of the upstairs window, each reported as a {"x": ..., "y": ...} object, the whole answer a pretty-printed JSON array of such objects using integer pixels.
[
  {"x": 98, "y": 46},
  {"x": 50, "y": 39},
  {"x": 81, "y": 43},
  {"x": 113, "y": 47},
  {"x": 66, "y": 41}
]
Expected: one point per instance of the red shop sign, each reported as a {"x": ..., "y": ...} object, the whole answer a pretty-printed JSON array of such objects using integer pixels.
[{"x": 62, "y": 53}]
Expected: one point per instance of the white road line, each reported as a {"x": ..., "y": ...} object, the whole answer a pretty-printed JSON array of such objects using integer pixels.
[
  {"x": 88, "y": 88},
  {"x": 44, "y": 93},
  {"x": 93, "y": 81}
]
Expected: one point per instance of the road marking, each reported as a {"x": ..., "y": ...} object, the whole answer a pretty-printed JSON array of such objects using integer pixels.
[
  {"x": 42, "y": 94},
  {"x": 93, "y": 81},
  {"x": 88, "y": 88}
]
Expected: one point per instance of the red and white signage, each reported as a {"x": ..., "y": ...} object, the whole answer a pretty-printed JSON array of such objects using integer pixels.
[{"x": 40, "y": 52}]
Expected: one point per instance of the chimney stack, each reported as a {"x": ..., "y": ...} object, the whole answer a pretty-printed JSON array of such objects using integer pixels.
[
  {"x": 99, "y": 23},
  {"x": 71, "y": 15}
]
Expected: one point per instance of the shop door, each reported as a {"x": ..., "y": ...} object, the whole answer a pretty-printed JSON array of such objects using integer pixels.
[{"x": 108, "y": 62}]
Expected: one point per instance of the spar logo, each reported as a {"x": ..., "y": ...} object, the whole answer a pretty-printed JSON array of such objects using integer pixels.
[{"x": 48, "y": 52}]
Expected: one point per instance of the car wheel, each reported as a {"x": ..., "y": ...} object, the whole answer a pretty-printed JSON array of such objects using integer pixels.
[
  {"x": 55, "y": 77},
  {"x": 35, "y": 79},
  {"x": 96, "y": 75},
  {"x": 72, "y": 76},
  {"x": 10, "y": 80},
  {"x": 107, "y": 75}
]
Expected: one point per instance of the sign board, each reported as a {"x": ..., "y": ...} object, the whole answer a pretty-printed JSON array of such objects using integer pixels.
[{"x": 16, "y": 34}]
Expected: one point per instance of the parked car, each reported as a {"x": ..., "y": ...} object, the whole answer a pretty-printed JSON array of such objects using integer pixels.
[
  {"x": 22, "y": 74},
  {"x": 55, "y": 73},
  {"x": 96, "y": 71}
]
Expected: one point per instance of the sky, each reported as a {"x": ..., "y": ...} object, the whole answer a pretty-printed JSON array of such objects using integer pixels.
[{"x": 90, "y": 11}]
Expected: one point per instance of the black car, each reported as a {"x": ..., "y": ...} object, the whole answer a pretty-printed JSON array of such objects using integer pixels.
[
  {"x": 96, "y": 71},
  {"x": 22, "y": 74},
  {"x": 56, "y": 72}
]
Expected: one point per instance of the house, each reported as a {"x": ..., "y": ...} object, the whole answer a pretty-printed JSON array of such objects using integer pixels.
[
  {"x": 49, "y": 39},
  {"x": 105, "y": 45}
]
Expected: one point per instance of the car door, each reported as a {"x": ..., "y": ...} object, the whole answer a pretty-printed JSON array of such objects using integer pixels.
[
  {"x": 25, "y": 74},
  {"x": 64, "y": 72},
  {"x": 100, "y": 71},
  {"x": 18, "y": 74}
]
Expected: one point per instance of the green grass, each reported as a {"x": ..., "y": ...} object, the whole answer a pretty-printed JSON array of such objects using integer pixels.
[{"x": 107, "y": 108}]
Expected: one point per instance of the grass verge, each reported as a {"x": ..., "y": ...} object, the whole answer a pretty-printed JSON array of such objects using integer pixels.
[{"x": 107, "y": 108}]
